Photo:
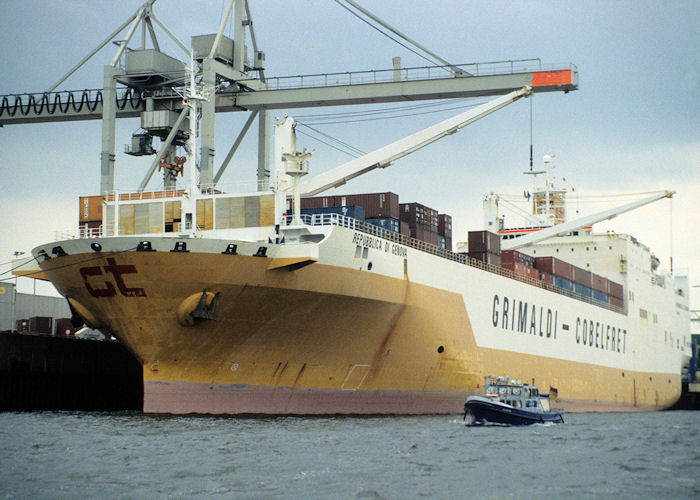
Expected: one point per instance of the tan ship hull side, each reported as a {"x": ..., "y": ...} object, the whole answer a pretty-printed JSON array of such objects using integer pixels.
[
  {"x": 316, "y": 330},
  {"x": 584, "y": 387}
]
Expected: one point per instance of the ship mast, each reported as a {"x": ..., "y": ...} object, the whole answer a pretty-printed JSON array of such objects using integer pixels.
[
  {"x": 191, "y": 99},
  {"x": 548, "y": 202}
]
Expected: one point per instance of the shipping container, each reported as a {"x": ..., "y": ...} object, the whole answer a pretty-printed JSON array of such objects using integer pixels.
[
  {"x": 599, "y": 283},
  {"x": 41, "y": 324},
  {"x": 315, "y": 202},
  {"x": 353, "y": 212},
  {"x": 526, "y": 260},
  {"x": 64, "y": 327},
  {"x": 509, "y": 256},
  {"x": 554, "y": 266},
  {"x": 419, "y": 216},
  {"x": 519, "y": 257},
  {"x": 445, "y": 225},
  {"x": 616, "y": 301},
  {"x": 486, "y": 257},
  {"x": 563, "y": 283},
  {"x": 375, "y": 205},
  {"x": 386, "y": 223},
  {"x": 90, "y": 208},
  {"x": 582, "y": 290},
  {"x": 424, "y": 235},
  {"x": 448, "y": 243},
  {"x": 521, "y": 269},
  {"x": 581, "y": 276},
  {"x": 600, "y": 296},
  {"x": 615, "y": 290},
  {"x": 484, "y": 241},
  {"x": 546, "y": 277}
]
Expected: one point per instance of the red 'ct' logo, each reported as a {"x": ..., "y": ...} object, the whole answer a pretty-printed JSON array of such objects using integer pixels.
[{"x": 116, "y": 271}]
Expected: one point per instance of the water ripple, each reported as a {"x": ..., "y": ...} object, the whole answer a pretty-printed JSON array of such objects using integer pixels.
[{"x": 130, "y": 455}]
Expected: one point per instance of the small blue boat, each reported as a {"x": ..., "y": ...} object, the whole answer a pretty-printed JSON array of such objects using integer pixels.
[{"x": 511, "y": 403}]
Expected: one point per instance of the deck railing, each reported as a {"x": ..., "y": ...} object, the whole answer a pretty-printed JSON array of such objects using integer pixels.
[{"x": 371, "y": 229}]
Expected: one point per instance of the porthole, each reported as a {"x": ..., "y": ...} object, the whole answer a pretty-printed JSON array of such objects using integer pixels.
[
  {"x": 369, "y": 266},
  {"x": 441, "y": 349}
]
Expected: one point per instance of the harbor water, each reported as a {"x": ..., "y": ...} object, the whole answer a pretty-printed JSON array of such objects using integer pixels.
[{"x": 131, "y": 455}]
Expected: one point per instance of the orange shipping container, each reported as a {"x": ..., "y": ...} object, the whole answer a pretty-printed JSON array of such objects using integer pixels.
[
  {"x": 90, "y": 208},
  {"x": 518, "y": 268}
]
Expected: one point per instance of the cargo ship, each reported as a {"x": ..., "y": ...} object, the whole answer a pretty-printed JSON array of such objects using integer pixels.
[
  {"x": 244, "y": 304},
  {"x": 276, "y": 301}
]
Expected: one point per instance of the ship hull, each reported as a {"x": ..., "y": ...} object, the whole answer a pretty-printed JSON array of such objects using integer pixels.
[
  {"x": 192, "y": 397},
  {"x": 330, "y": 339}
]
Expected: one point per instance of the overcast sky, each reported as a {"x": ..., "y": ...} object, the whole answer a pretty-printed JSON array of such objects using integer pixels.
[{"x": 633, "y": 126}]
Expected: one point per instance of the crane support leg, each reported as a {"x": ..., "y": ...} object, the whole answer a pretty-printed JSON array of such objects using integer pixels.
[
  {"x": 263, "y": 150},
  {"x": 109, "y": 119},
  {"x": 206, "y": 158}
]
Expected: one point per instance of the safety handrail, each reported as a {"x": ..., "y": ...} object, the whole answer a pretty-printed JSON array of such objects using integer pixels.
[{"x": 462, "y": 258}]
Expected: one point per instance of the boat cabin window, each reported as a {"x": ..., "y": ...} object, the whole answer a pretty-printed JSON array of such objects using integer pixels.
[
  {"x": 516, "y": 391},
  {"x": 491, "y": 389},
  {"x": 517, "y": 404}
]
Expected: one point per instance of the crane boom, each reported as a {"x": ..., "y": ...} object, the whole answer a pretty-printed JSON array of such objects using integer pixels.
[
  {"x": 567, "y": 227},
  {"x": 385, "y": 156}
]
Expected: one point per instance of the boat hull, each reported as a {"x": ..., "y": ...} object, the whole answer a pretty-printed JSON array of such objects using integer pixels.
[
  {"x": 487, "y": 412},
  {"x": 319, "y": 338},
  {"x": 189, "y": 397}
]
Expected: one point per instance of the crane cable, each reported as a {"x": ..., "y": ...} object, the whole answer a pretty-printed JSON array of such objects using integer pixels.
[{"x": 384, "y": 33}]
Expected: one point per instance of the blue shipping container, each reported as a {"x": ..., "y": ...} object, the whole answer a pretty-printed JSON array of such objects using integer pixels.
[
  {"x": 582, "y": 290},
  {"x": 353, "y": 212},
  {"x": 563, "y": 283},
  {"x": 386, "y": 223}
]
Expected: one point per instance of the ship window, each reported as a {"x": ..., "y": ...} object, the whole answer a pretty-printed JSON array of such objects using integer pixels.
[
  {"x": 557, "y": 250},
  {"x": 369, "y": 266},
  {"x": 365, "y": 252},
  {"x": 358, "y": 251},
  {"x": 517, "y": 403},
  {"x": 516, "y": 391}
]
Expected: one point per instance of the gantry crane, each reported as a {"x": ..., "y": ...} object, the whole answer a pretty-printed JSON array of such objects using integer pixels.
[{"x": 149, "y": 80}]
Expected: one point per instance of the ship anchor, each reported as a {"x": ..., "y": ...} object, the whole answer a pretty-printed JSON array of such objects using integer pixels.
[{"x": 204, "y": 310}]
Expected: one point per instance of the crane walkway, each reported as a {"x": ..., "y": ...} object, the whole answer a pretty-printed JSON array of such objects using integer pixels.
[{"x": 352, "y": 87}]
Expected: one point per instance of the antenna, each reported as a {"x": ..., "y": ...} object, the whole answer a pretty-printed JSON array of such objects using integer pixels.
[{"x": 530, "y": 133}]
